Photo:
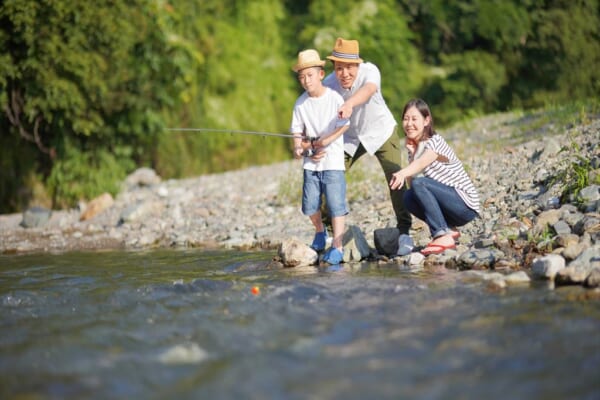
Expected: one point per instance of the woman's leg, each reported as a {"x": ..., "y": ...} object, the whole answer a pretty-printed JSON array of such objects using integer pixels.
[{"x": 440, "y": 205}]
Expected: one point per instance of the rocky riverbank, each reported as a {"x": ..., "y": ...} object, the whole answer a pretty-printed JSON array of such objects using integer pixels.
[{"x": 520, "y": 165}]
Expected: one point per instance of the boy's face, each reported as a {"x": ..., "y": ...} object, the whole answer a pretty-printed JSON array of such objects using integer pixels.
[
  {"x": 310, "y": 78},
  {"x": 345, "y": 73}
]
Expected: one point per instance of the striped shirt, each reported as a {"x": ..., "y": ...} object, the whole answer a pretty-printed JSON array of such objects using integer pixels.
[{"x": 451, "y": 173}]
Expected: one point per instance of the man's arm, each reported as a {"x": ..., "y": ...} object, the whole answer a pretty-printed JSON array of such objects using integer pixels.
[{"x": 361, "y": 96}]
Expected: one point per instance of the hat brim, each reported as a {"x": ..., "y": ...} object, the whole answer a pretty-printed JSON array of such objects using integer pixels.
[
  {"x": 299, "y": 67},
  {"x": 346, "y": 60}
]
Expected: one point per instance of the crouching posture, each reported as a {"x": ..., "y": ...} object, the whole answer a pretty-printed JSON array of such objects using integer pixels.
[{"x": 440, "y": 193}]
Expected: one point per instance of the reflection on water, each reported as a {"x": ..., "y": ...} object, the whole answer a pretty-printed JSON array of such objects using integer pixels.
[{"x": 175, "y": 324}]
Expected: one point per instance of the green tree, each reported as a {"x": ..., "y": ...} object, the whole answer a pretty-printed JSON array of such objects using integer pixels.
[
  {"x": 562, "y": 54},
  {"x": 384, "y": 39},
  {"x": 86, "y": 85},
  {"x": 245, "y": 84}
]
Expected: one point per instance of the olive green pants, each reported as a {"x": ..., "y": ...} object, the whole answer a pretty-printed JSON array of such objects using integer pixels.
[{"x": 389, "y": 156}]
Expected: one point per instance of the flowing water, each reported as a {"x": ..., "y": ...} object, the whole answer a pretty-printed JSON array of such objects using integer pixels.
[{"x": 223, "y": 324}]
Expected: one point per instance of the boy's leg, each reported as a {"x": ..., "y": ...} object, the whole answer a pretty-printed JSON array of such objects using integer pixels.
[
  {"x": 338, "y": 231},
  {"x": 390, "y": 159},
  {"x": 317, "y": 221},
  {"x": 311, "y": 203},
  {"x": 334, "y": 189}
]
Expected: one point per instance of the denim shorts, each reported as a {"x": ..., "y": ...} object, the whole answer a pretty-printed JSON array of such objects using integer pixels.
[{"x": 330, "y": 183}]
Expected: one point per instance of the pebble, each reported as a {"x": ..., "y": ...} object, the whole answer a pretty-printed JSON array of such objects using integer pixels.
[{"x": 526, "y": 223}]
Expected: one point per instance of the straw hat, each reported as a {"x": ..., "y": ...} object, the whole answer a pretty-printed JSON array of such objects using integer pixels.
[
  {"x": 308, "y": 58},
  {"x": 345, "y": 51}
]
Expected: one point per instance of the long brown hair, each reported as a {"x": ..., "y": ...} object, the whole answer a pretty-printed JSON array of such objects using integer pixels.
[{"x": 423, "y": 108}]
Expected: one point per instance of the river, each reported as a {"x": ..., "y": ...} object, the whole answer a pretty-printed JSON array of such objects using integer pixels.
[{"x": 203, "y": 324}]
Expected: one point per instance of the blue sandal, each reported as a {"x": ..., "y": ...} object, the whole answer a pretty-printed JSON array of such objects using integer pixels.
[
  {"x": 333, "y": 256},
  {"x": 320, "y": 241}
]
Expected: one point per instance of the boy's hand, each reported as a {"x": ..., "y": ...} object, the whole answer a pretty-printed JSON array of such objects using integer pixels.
[{"x": 319, "y": 153}]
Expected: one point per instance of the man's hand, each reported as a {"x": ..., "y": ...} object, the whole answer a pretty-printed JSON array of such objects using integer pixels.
[{"x": 345, "y": 111}]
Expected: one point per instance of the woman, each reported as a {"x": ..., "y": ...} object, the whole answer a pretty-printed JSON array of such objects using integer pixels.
[{"x": 441, "y": 193}]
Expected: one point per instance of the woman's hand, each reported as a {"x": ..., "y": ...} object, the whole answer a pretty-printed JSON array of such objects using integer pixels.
[{"x": 397, "y": 181}]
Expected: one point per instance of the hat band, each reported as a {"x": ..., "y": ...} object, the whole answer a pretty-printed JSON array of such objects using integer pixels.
[{"x": 345, "y": 55}]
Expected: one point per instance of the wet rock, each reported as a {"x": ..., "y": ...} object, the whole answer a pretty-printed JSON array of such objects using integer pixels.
[
  {"x": 294, "y": 253},
  {"x": 517, "y": 277},
  {"x": 548, "y": 266},
  {"x": 580, "y": 268},
  {"x": 593, "y": 279}
]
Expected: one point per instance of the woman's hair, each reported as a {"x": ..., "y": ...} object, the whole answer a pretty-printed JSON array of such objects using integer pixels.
[{"x": 423, "y": 108}]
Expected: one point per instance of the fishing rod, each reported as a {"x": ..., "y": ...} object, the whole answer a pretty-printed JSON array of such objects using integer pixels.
[{"x": 307, "y": 153}]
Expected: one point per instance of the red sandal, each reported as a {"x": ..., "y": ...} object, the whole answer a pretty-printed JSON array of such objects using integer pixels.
[{"x": 433, "y": 248}]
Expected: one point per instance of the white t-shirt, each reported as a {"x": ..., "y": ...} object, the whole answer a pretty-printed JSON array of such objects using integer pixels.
[
  {"x": 371, "y": 123},
  {"x": 318, "y": 117}
]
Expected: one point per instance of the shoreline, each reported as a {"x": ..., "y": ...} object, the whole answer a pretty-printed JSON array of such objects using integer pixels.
[{"x": 258, "y": 207}]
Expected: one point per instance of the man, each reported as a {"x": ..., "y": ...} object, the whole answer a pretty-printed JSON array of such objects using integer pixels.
[{"x": 372, "y": 125}]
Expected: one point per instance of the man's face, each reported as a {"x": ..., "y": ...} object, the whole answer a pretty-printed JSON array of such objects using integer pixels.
[{"x": 345, "y": 73}]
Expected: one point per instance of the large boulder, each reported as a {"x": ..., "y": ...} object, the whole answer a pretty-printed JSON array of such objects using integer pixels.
[{"x": 294, "y": 253}]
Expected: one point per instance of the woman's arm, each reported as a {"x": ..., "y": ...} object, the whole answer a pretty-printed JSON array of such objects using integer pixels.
[{"x": 413, "y": 168}]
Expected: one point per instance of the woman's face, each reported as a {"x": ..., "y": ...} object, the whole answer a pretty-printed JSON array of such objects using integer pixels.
[{"x": 414, "y": 124}]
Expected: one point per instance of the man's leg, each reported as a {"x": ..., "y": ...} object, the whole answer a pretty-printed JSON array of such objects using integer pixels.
[{"x": 390, "y": 158}]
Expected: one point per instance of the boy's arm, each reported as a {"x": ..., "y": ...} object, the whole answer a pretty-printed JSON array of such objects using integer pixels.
[
  {"x": 327, "y": 140},
  {"x": 298, "y": 149}
]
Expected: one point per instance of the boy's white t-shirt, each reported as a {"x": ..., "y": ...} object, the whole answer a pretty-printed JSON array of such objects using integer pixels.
[
  {"x": 318, "y": 117},
  {"x": 372, "y": 123}
]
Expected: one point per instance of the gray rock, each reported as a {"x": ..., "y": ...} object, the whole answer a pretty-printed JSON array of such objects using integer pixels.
[
  {"x": 561, "y": 228},
  {"x": 593, "y": 279},
  {"x": 355, "y": 245},
  {"x": 547, "y": 266},
  {"x": 478, "y": 259},
  {"x": 35, "y": 217},
  {"x": 580, "y": 268}
]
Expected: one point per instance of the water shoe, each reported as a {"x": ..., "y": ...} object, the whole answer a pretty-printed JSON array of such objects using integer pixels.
[
  {"x": 320, "y": 241},
  {"x": 333, "y": 256}
]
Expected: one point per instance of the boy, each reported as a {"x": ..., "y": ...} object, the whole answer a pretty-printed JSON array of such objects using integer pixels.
[{"x": 315, "y": 117}]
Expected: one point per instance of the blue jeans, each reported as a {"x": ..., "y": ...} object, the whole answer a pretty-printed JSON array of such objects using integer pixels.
[
  {"x": 437, "y": 204},
  {"x": 331, "y": 183}
]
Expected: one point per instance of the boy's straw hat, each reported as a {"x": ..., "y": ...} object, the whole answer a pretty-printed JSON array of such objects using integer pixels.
[
  {"x": 308, "y": 58},
  {"x": 345, "y": 51}
]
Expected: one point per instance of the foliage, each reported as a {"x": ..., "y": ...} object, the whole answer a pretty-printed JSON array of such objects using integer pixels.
[
  {"x": 79, "y": 173},
  {"x": 384, "y": 39},
  {"x": 81, "y": 82},
  {"x": 245, "y": 84},
  {"x": 87, "y": 89}
]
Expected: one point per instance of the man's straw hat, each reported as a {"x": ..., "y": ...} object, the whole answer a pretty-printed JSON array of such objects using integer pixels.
[
  {"x": 308, "y": 58},
  {"x": 345, "y": 51}
]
